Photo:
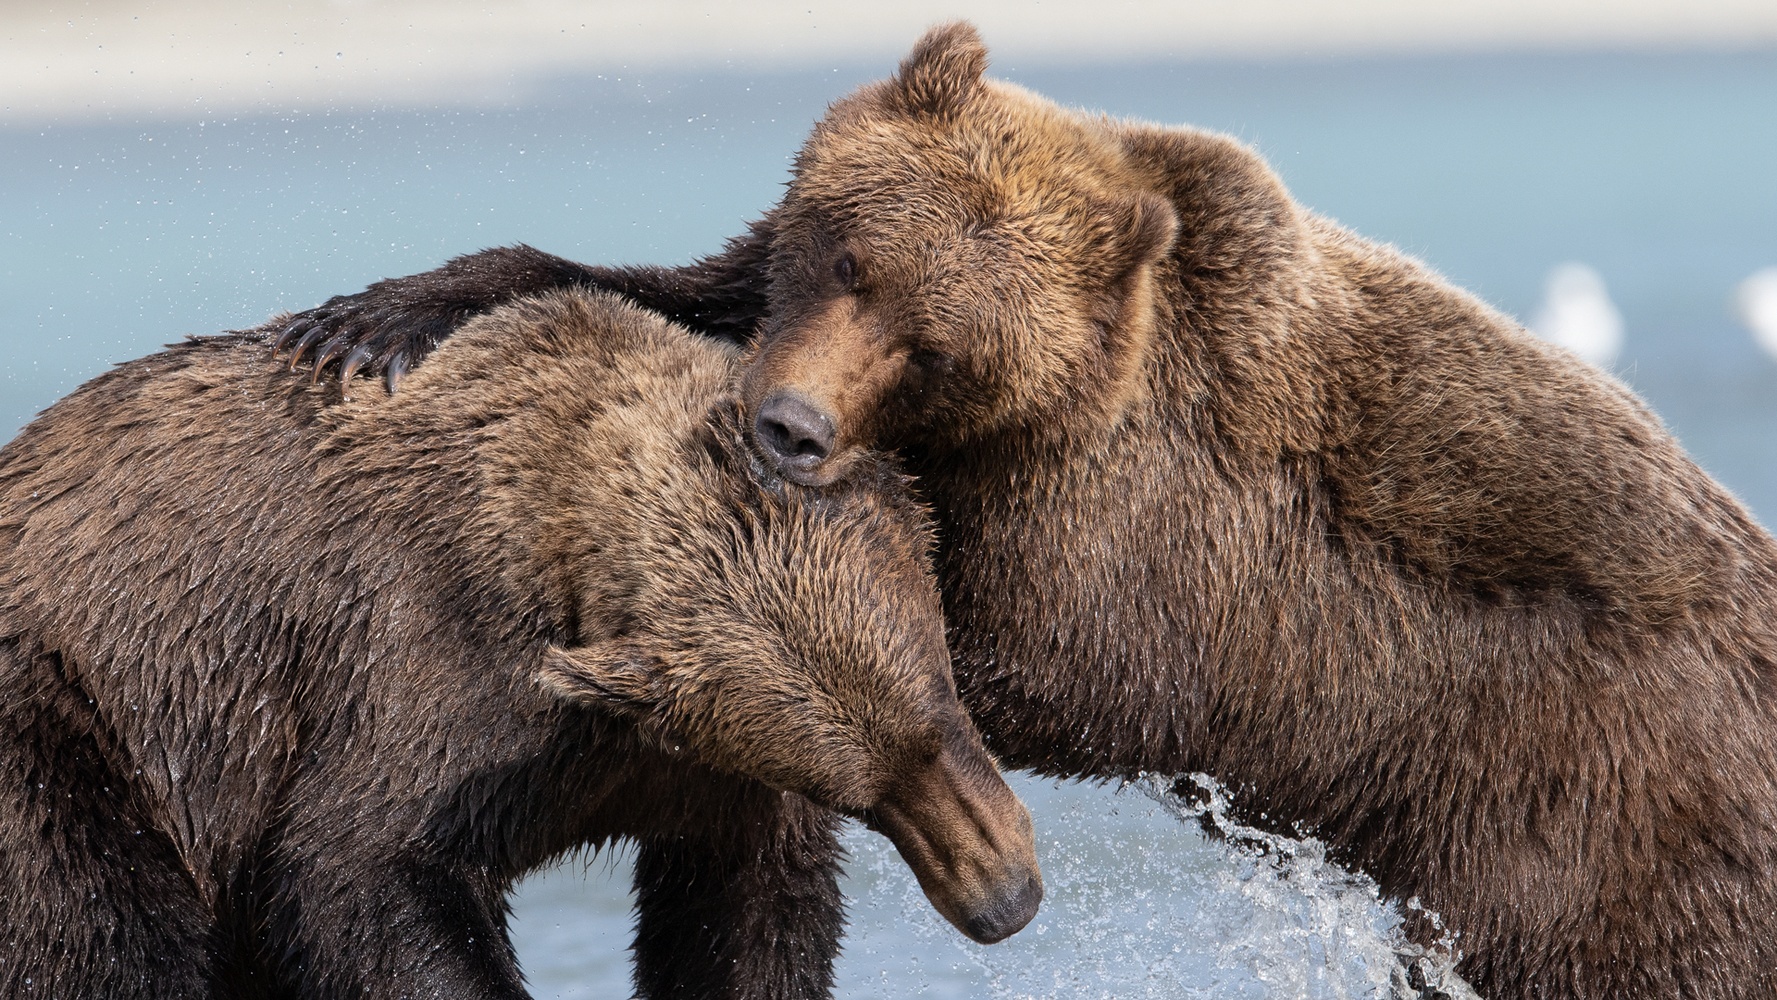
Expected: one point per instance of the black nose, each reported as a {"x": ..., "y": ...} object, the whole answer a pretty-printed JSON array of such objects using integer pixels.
[
  {"x": 793, "y": 432},
  {"x": 1008, "y": 914}
]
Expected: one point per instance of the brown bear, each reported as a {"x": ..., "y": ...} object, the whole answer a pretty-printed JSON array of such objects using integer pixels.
[
  {"x": 1222, "y": 487},
  {"x": 291, "y": 693}
]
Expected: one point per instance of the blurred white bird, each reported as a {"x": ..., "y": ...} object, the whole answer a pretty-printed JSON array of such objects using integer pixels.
[
  {"x": 1757, "y": 297},
  {"x": 1577, "y": 314}
]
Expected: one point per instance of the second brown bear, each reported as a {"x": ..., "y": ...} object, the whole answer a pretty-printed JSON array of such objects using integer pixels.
[{"x": 291, "y": 693}]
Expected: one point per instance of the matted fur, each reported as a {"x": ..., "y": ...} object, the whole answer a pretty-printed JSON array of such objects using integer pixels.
[
  {"x": 1308, "y": 519},
  {"x": 1231, "y": 489},
  {"x": 293, "y": 689}
]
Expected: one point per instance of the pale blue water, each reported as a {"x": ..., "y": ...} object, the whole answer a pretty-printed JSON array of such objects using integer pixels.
[
  {"x": 1661, "y": 172},
  {"x": 1137, "y": 907}
]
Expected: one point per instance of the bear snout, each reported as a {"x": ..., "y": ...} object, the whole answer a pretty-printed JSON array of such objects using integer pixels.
[
  {"x": 795, "y": 435},
  {"x": 969, "y": 841}
]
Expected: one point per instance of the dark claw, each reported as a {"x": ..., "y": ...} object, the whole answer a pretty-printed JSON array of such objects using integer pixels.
[
  {"x": 398, "y": 366},
  {"x": 314, "y": 335},
  {"x": 354, "y": 361},
  {"x": 332, "y": 349},
  {"x": 292, "y": 330}
]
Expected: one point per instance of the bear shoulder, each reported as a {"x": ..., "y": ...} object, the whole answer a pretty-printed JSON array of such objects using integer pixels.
[{"x": 1483, "y": 455}]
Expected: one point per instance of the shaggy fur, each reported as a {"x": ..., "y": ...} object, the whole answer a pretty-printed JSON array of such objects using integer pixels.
[
  {"x": 291, "y": 693},
  {"x": 1222, "y": 487}
]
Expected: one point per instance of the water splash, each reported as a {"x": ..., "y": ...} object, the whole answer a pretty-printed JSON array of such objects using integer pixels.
[
  {"x": 1310, "y": 905},
  {"x": 1141, "y": 904}
]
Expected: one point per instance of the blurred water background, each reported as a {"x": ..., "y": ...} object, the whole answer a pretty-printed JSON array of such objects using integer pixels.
[{"x": 1655, "y": 173}]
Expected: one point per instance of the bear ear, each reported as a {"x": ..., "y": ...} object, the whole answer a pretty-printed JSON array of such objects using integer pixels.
[
  {"x": 1145, "y": 228},
  {"x": 944, "y": 67},
  {"x": 1136, "y": 231},
  {"x": 613, "y": 674}
]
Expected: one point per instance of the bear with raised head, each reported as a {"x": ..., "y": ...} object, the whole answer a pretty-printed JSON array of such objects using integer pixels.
[
  {"x": 292, "y": 689},
  {"x": 1223, "y": 487}
]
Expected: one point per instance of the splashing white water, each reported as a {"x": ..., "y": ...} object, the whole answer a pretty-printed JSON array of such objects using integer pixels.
[
  {"x": 1757, "y": 299},
  {"x": 1577, "y": 314},
  {"x": 1297, "y": 895},
  {"x": 1140, "y": 904}
]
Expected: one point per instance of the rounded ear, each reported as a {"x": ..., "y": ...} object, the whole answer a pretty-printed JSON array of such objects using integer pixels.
[
  {"x": 1235, "y": 219},
  {"x": 610, "y": 674},
  {"x": 944, "y": 67},
  {"x": 1155, "y": 226},
  {"x": 1143, "y": 230}
]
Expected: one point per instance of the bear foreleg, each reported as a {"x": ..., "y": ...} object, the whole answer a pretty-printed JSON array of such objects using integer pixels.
[
  {"x": 392, "y": 925},
  {"x": 94, "y": 900},
  {"x": 751, "y": 910},
  {"x": 391, "y": 326}
]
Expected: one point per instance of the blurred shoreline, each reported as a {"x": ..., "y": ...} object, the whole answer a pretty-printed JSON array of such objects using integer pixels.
[{"x": 191, "y": 59}]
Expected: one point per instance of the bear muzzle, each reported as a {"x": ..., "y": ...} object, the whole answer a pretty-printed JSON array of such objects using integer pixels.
[
  {"x": 816, "y": 389},
  {"x": 969, "y": 841}
]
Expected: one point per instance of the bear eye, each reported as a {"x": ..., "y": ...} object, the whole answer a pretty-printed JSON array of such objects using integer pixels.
[
  {"x": 931, "y": 362},
  {"x": 845, "y": 270}
]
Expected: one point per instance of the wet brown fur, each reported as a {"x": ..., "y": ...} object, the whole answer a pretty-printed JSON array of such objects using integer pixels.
[
  {"x": 293, "y": 689},
  {"x": 1224, "y": 487},
  {"x": 1234, "y": 490}
]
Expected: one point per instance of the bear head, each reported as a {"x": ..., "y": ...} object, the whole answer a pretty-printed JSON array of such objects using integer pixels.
[
  {"x": 788, "y": 634},
  {"x": 955, "y": 258}
]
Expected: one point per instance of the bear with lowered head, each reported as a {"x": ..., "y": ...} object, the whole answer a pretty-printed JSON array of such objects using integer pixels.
[
  {"x": 293, "y": 689},
  {"x": 1224, "y": 487}
]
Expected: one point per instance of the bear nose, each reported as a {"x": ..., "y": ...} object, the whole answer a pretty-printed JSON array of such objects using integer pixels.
[
  {"x": 794, "y": 433},
  {"x": 1008, "y": 914}
]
